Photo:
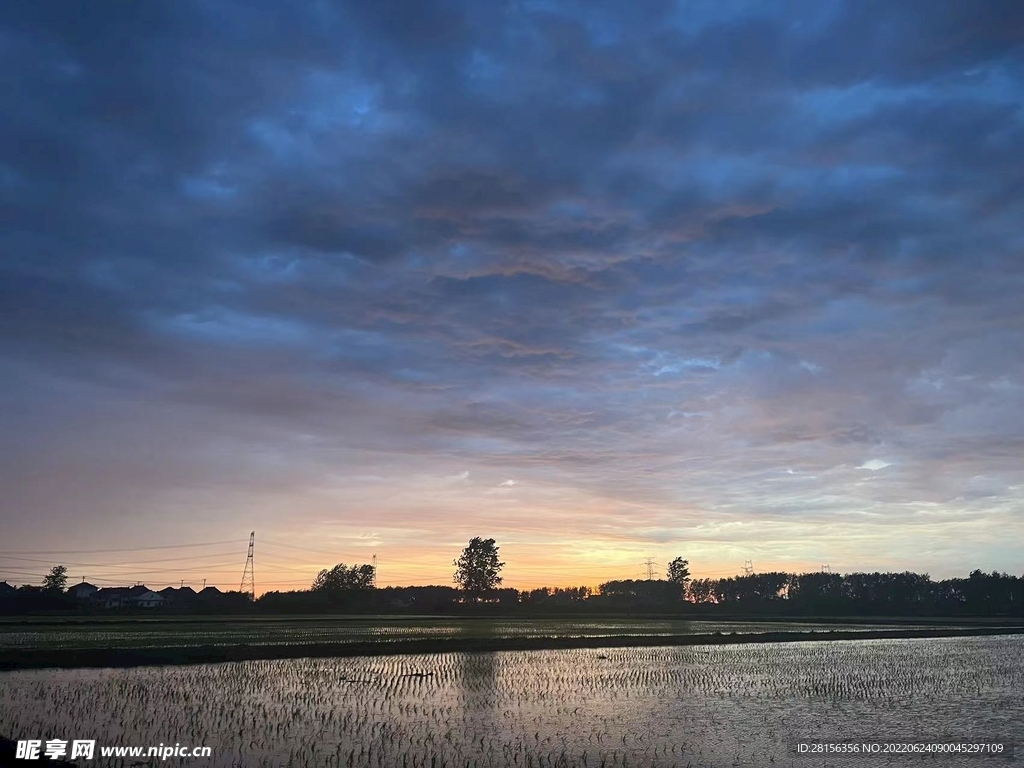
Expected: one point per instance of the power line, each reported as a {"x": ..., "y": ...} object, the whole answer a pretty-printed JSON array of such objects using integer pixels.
[
  {"x": 296, "y": 546},
  {"x": 176, "y": 569},
  {"x": 265, "y": 566},
  {"x": 266, "y": 555},
  {"x": 128, "y": 564},
  {"x": 115, "y": 549},
  {"x": 114, "y": 579}
]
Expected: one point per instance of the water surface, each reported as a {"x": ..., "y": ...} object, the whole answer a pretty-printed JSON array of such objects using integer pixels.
[{"x": 684, "y": 706}]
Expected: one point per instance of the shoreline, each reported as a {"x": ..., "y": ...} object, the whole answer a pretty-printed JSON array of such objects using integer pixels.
[
  {"x": 149, "y": 618},
  {"x": 22, "y": 659}
]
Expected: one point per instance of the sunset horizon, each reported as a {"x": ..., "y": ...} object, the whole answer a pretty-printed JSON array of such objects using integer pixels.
[
  {"x": 561, "y": 383},
  {"x": 605, "y": 285}
]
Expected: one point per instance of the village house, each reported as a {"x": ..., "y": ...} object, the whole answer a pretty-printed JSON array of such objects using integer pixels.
[
  {"x": 210, "y": 593},
  {"x": 178, "y": 595},
  {"x": 83, "y": 590},
  {"x": 144, "y": 597},
  {"x": 139, "y": 596},
  {"x": 109, "y": 597}
]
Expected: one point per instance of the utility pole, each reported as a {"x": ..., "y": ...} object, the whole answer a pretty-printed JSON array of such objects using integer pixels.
[
  {"x": 204, "y": 583},
  {"x": 248, "y": 584},
  {"x": 374, "y": 571},
  {"x": 748, "y": 568}
]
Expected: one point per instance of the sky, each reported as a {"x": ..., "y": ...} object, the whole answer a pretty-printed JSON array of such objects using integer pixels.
[{"x": 605, "y": 281}]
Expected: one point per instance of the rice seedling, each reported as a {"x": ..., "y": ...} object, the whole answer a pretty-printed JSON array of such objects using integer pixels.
[
  {"x": 159, "y": 632},
  {"x": 616, "y": 708}
]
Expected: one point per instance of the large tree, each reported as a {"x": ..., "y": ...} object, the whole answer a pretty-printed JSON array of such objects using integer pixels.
[
  {"x": 56, "y": 579},
  {"x": 477, "y": 570},
  {"x": 341, "y": 578},
  {"x": 679, "y": 573}
]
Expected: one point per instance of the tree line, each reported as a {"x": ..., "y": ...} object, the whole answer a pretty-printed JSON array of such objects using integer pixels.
[
  {"x": 881, "y": 594},
  {"x": 477, "y": 589},
  {"x": 478, "y": 584}
]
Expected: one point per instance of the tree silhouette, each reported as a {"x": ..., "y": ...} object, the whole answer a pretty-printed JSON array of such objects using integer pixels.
[
  {"x": 478, "y": 568},
  {"x": 646, "y": 592},
  {"x": 341, "y": 579},
  {"x": 56, "y": 579},
  {"x": 679, "y": 573},
  {"x": 702, "y": 590}
]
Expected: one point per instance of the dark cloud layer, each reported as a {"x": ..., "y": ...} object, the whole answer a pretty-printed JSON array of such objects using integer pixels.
[{"x": 728, "y": 277}]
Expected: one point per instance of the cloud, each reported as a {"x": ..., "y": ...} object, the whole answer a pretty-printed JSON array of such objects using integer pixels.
[
  {"x": 645, "y": 258},
  {"x": 875, "y": 464}
]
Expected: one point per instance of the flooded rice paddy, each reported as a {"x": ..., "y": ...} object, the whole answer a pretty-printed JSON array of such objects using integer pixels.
[
  {"x": 184, "y": 633},
  {"x": 742, "y": 705}
]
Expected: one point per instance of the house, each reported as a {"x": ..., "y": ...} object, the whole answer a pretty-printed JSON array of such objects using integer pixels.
[
  {"x": 178, "y": 595},
  {"x": 110, "y": 597},
  {"x": 210, "y": 594},
  {"x": 142, "y": 596},
  {"x": 83, "y": 591},
  {"x": 139, "y": 596}
]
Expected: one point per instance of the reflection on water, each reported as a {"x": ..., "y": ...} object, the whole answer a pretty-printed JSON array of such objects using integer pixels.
[
  {"x": 694, "y": 706},
  {"x": 327, "y": 630},
  {"x": 480, "y": 687}
]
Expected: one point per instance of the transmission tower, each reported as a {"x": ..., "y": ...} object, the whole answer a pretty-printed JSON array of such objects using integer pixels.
[
  {"x": 248, "y": 584},
  {"x": 748, "y": 568},
  {"x": 374, "y": 571},
  {"x": 826, "y": 568},
  {"x": 649, "y": 562}
]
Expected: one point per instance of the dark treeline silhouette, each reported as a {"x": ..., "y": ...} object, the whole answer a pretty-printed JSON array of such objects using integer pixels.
[
  {"x": 761, "y": 594},
  {"x": 556, "y": 596},
  {"x": 351, "y": 590},
  {"x": 425, "y": 600},
  {"x": 854, "y": 594}
]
